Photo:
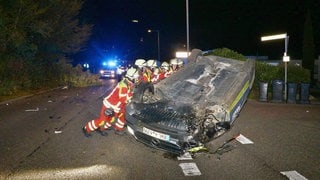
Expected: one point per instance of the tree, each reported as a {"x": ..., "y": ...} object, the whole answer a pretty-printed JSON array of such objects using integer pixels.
[
  {"x": 308, "y": 46},
  {"x": 34, "y": 35}
]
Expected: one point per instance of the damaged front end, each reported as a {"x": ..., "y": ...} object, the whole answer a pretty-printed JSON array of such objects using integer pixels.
[
  {"x": 191, "y": 107},
  {"x": 161, "y": 126}
]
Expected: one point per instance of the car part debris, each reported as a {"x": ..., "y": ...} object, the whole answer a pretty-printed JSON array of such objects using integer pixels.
[
  {"x": 32, "y": 110},
  {"x": 190, "y": 169}
]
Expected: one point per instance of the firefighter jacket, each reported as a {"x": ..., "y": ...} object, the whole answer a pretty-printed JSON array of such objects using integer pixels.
[
  {"x": 147, "y": 76},
  {"x": 158, "y": 77},
  {"x": 119, "y": 96}
]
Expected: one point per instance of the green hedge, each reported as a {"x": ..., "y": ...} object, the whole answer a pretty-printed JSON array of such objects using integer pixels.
[
  {"x": 266, "y": 73},
  {"x": 227, "y": 53}
]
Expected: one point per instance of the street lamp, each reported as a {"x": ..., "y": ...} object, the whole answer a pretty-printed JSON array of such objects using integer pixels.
[
  {"x": 187, "y": 23},
  {"x": 158, "y": 32},
  {"x": 285, "y": 59},
  {"x": 135, "y": 20}
]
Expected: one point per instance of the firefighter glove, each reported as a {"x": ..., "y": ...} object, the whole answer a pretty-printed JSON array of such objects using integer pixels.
[{"x": 109, "y": 112}]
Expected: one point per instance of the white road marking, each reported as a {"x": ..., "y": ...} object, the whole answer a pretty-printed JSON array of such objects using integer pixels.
[
  {"x": 293, "y": 175},
  {"x": 90, "y": 172}
]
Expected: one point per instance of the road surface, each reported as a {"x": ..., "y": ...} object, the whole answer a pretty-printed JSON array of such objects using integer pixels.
[{"x": 41, "y": 138}]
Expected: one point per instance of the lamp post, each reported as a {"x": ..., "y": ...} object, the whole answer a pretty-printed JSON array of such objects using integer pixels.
[
  {"x": 285, "y": 58},
  {"x": 187, "y": 24},
  {"x": 158, "y": 33}
]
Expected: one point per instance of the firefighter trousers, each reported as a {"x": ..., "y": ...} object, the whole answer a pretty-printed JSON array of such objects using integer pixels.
[{"x": 105, "y": 122}]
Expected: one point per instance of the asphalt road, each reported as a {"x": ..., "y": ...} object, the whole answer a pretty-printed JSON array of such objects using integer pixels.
[{"x": 41, "y": 138}]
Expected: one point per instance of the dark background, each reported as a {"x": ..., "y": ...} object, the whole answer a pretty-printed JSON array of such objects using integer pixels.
[{"x": 237, "y": 25}]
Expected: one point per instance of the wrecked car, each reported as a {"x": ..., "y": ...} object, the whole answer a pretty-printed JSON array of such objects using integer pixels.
[{"x": 192, "y": 106}]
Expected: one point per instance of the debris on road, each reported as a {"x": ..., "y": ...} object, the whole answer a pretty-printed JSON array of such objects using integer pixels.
[
  {"x": 190, "y": 169},
  {"x": 198, "y": 149},
  {"x": 243, "y": 140},
  {"x": 185, "y": 156},
  {"x": 32, "y": 110}
]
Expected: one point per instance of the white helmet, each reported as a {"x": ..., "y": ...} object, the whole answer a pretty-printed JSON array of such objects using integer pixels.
[
  {"x": 132, "y": 73},
  {"x": 176, "y": 62},
  {"x": 173, "y": 62},
  {"x": 151, "y": 63},
  {"x": 140, "y": 63},
  {"x": 165, "y": 65}
]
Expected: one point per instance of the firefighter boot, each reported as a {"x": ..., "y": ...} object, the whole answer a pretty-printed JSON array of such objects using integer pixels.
[
  {"x": 119, "y": 132},
  {"x": 85, "y": 132},
  {"x": 102, "y": 131}
]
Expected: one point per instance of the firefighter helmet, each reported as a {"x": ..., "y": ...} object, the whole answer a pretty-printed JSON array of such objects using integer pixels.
[
  {"x": 151, "y": 63},
  {"x": 132, "y": 73},
  {"x": 140, "y": 63},
  {"x": 176, "y": 62},
  {"x": 165, "y": 65}
]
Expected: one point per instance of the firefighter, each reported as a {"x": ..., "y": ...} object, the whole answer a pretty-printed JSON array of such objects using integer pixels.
[
  {"x": 176, "y": 64},
  {"x": 152, "y": 64},
  {"x": 141, "y": 65},
  {"x": 156, "y": 75},
  {"x": 144, "y": 69},
  {"x": 113, "y": 109},
  {"x": 164, "y": 72},
  {"x": 151, "y": 70},
  {"x": 165, "y": 67}
]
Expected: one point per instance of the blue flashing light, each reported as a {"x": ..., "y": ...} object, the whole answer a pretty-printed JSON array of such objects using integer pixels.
[{"x": 110, "y": 63}]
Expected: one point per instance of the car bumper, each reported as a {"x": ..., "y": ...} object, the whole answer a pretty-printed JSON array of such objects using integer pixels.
[
  {"x": 108, "y": 75},
  {"x": 169, "y": 141}
]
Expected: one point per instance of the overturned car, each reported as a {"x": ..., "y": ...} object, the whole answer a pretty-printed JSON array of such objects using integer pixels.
[{"x": 194, "y": 105}]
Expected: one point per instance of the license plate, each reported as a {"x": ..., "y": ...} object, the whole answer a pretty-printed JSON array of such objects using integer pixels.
[{"x": 155, "y": 134}]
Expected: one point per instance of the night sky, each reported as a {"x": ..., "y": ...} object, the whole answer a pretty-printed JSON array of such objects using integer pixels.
[{"x": 237, "y": 25}]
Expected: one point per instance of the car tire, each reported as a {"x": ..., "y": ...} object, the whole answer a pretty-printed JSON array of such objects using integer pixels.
[
  {"x": 195, "y": 53},
  {"x": 141, "y": 91}
]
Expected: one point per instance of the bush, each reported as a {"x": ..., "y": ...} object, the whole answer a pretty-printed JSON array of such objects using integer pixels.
[
  {"x": 36, "y": 78},
  {"x": 267, "y": 73},
  {"x": 227, "y": 53},
  {"x": 295, "y": 74},
  {"x": 75, "y": 76}
]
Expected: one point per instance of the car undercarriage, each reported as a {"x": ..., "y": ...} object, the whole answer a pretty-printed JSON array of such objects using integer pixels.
[{"x": 191, "y": 107}]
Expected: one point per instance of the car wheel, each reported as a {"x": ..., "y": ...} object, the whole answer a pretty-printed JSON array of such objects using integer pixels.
[{"x": 143, "y": 93}]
